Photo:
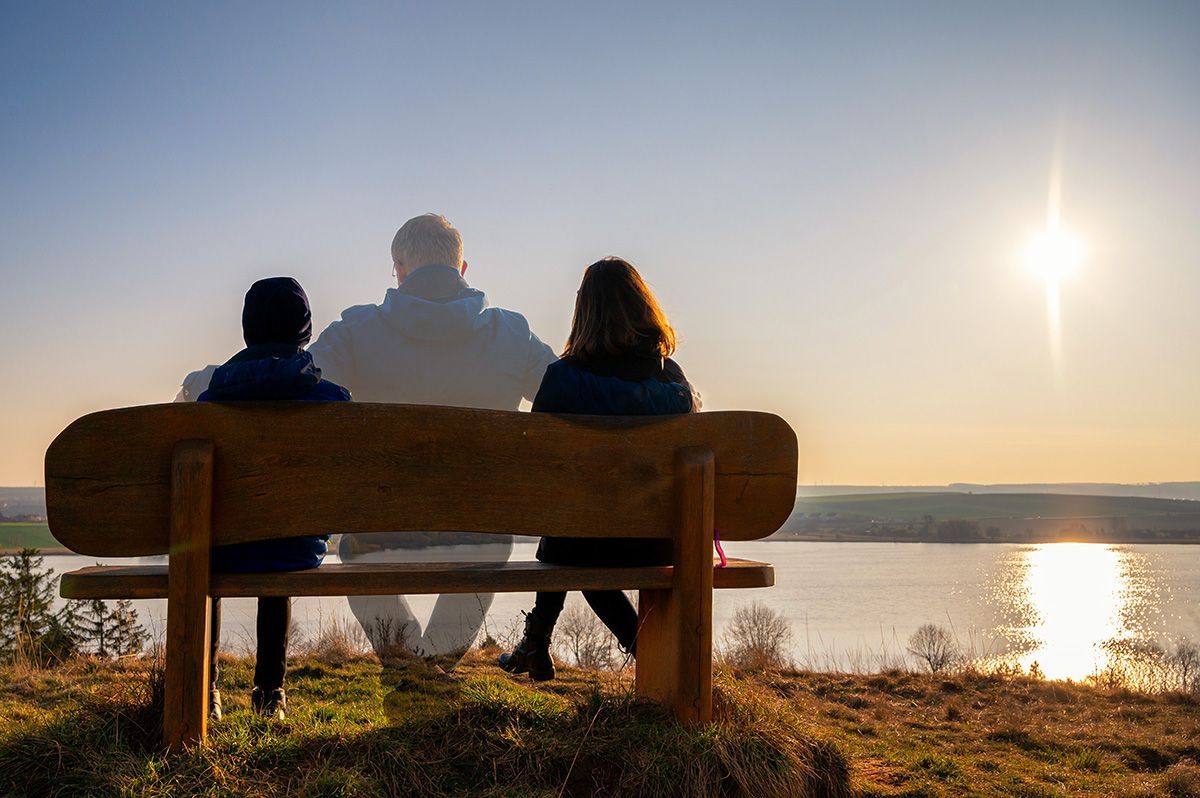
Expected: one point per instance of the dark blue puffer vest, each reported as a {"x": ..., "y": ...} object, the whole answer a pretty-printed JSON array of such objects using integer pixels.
[
  {"x": 262, "y": 373},
  {"x": 570, "y": 387}
]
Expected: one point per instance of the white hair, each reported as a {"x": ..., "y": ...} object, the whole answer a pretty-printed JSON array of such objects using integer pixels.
[{"x": 427, "y": 240}]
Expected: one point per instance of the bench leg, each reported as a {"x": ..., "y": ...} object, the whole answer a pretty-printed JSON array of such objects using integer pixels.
[
  {"x": 674, "y": 647},
  {"x": 189, "y": 605}
]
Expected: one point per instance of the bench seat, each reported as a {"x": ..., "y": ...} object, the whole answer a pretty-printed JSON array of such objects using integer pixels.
[{"x": 367, "y": 579}]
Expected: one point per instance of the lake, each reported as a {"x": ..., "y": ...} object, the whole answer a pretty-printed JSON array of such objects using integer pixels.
[{"x": 853, "y": 606}]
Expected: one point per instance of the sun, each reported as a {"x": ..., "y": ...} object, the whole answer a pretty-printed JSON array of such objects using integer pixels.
[{"x": 1054, "y": 254}]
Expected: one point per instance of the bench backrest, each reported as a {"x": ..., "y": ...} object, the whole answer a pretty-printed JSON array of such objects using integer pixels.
[{"x": 297, "y": 468}]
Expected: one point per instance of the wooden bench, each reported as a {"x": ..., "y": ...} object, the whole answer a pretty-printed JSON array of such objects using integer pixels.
[{"x": 179, "y": 479}]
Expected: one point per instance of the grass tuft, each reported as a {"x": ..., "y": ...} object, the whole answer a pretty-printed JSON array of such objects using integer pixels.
[{"x": 1183, "y": 780}]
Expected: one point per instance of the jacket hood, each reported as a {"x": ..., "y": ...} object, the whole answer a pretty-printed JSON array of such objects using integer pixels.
[
  {"x": 453, "y": 319},
  {"x": 266, "y": 372}
]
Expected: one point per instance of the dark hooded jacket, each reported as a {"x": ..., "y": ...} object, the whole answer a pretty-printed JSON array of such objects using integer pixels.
[
  {"x": 261, "y": 373},
  {"x": 276, "y": 324},
  {"x": 623, "y": 386}
]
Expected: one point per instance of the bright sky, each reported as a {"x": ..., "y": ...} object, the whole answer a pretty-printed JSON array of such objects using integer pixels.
[{"x": 832, "y": 205}]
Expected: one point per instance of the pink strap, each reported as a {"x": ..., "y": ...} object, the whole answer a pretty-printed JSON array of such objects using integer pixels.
[{"x": 720, "y": 551}]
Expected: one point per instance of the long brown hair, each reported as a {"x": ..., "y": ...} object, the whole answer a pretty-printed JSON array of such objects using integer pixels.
[{"x": 616, "y": 313}]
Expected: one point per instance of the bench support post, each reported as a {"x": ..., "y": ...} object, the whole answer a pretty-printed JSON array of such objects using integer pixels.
[
  {"x": 189, "y": 605},
  {"x": 674, "y": 645}
]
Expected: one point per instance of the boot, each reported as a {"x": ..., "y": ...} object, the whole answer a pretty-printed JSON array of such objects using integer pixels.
[
  {"x": 269, "y": 703},
  {"x": 532, "y": 654},
  {"x": 214, "y": 703}
]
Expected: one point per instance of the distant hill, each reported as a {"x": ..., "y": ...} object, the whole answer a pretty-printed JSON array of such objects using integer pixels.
[
  {"x": 1149, "y": 490},
  {"x": 992, "y": 517},
  {"x": 976, "y": 506},
  {"x": 22, "y": 501}
]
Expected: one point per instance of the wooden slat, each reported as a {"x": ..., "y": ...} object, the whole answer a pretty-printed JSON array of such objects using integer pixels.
[
  {"x": 292, "y": 468},
  {"x": 366, "y": 579}
]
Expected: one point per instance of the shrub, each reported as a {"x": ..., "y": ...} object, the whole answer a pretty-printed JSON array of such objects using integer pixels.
[
  {"x": 335, "y": 641},
  {"x": 757, "y": 638},
  {"x": 1184, "y": 662},
  {"x": 935, "y": 646},
  {"x": 584, "y": 638}
]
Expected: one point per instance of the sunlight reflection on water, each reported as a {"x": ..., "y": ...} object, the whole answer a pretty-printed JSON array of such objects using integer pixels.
[{"x": 1070, "y": 606}]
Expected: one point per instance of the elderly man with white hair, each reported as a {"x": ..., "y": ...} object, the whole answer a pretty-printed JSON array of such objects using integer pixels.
[{"x": 433, "y": 340}]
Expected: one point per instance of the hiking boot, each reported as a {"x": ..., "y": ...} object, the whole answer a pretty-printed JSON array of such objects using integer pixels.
[
  {"x": 532, "y": 654},
  {"x": 214, "y": 704},
  {"x": 269, "y": 703}
]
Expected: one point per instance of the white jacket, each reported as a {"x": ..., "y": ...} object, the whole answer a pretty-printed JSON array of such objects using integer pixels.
[{"x": 457, "y": 352}]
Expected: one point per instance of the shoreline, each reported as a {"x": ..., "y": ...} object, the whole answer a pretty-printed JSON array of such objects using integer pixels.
[{"x": 869, "y": 539}]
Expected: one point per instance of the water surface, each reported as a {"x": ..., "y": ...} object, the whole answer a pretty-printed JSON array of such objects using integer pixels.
[{"x": 853, "y": 606}]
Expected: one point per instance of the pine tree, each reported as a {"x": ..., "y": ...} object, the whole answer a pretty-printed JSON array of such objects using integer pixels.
[
  {"x": 26, "y": 599},
  {"x": 127, "y": 635},
  {"x": 30, "y": 629},
  {"x": 94, "y": 626},
  {"x": 63, "y": 637}
]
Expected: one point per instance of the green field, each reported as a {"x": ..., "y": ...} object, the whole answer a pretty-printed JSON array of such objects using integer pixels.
[
  {"x": 973, "y": 506},
  {"x": 20, "y": 536}
]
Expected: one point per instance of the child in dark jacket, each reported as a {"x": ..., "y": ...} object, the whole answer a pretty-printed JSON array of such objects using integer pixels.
[
  {"x": 616, "y": 362},
  {"x": 276, "y": 325}
]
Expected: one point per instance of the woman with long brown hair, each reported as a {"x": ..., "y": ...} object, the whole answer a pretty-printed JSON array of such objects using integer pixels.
[{"x": 616, "y": 362}]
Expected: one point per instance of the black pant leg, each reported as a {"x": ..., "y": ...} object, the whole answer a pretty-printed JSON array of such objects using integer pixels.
[
  {"x": 274, "y": 618},
  {"x": 214, "y": 644},
  {"x": 616, "y": 611},
  {"x": 548, "y": 606}
]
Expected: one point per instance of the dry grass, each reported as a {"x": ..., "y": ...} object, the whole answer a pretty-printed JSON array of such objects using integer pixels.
[
  {"x": 1183, "y": 780},
  {"x": 334, "y": 641},
  {"x": 974, "y": 734},
  {"x": 407, "y": 727}
]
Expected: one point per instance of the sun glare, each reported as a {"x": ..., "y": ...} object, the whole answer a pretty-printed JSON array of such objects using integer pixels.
[{"x": 1054, "y": 254}]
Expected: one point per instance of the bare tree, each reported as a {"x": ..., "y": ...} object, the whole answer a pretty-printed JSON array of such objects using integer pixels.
[
  {"x": 1184, "y": 660},
  {"x": 934, "y": 645},
  {"x": 757, "y": 638},
  {"x": 585, "y": 639}
]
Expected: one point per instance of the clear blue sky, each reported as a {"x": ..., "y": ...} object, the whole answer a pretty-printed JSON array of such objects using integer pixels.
[{"x": 830, "y": 201}]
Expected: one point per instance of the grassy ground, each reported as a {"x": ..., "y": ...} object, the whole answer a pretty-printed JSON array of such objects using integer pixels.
[
  {"x": 978, "y": 735},
  {"x": 359, "y": 729}
]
